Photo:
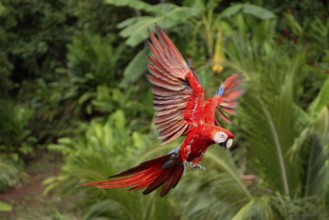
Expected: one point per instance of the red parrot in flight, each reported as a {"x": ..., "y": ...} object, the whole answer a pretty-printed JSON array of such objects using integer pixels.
[{"x": 180, "y": 109}]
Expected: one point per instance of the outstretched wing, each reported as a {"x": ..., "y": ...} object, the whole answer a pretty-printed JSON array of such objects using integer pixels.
[
  {"x": 178, "y": 95},
  {"x": 225, "y": 101}
]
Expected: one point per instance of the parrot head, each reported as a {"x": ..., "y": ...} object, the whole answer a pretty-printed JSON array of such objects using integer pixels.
[{"x": 224, "y": 138}]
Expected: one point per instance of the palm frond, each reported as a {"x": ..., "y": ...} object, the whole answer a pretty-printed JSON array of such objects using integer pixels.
[
  {"x": 257, "y": 208},
  {"x": 268, "y": 123},
  {"x": 317, "y": 175}
]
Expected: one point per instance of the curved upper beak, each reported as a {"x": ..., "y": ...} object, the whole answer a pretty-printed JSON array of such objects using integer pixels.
[{"x": 227, "y": 144}]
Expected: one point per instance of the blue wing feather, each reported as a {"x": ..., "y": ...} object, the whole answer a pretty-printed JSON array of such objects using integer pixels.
[{"x": 220, "y": 91}]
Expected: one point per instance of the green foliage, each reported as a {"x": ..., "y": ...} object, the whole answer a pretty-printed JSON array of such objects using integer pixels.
[
  {"x": 9, "y": 175},
  {"x": 14, "y": 135},
  {"x": 108, "y": 138},
  {"x": 93, "y": 60},
  {"x": 272, "y": 122},
  {"x": 106, "y": 148},
  {"x": 26, "y": 50},
  {"x": 15, "y": 141},
  {"x": 165, "y": 14},
  {"x": 316, "y": 42},
  {"x": 135, "y": 68},
  {"x": 84, "y": 88},
  {"x": 273, "y": 109},
  {"x": 34, "y": 38},
  {"x": 68, "y": 62},
  {"x": 95, "y": 66},
  {"x": 95, "y": 16},
  {"x": 5, "y": 207},
  {"x": 208, "y": 25},
  {"x": 135, "y": 29},
  {"x": 248, "y": 9},
  {"x": 108, "y": 100},
  {"x": 256, "y": 208},
  {"x": 220, "y": 186},
  {"x": 321, "y": 100}
]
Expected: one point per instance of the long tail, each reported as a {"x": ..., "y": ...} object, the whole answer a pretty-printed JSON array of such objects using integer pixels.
[{"x": 165, "y": 170}]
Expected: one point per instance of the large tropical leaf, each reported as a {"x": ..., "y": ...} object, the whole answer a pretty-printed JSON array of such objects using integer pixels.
[
  {"x": 134, "y": 4},
  {"x": 250, "y": 9},
  {"x": 136, "y": 67},
  {"x": 135, "y": 29},
  {"x": 165, "y": 14}
]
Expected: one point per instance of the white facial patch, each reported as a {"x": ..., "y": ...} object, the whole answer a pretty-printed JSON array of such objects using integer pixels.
[{"x": 220, "y": 137}]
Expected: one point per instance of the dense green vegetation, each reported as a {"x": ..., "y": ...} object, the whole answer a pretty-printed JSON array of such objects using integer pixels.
[{"x": 72, "y": 81}]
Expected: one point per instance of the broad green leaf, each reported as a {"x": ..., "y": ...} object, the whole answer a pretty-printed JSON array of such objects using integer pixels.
[
  {"x": 196, "y": 4},
  {"x": 321, "y": 100},
  {"x": 85, "y": 97},
  {"x": 240, "y": 23},
  {"x": 292, "y": 22},
  {"x": 134, "y": 4},
  {"x": 63, "y": 149},
  {"x": 164, "y": 8},
  {"x": 5, "y": 207},
  {"x": 322, "y": 125},
  {"x": 258, "y": 11},
  {"x": 136, "y": 67},
  {"x": 232, "y": 10},
  {"x": 138, "y": 140},
  {"x": 127, "y": 22},
  {"x": 103, "y": 101},
  {"x": 137, "y": 32},
  {"x": 250, "y": 9},
  {"x": 2, "y": 9},
  {"x": 64, "y": 140},
  {"x": 120, "y": 121}
]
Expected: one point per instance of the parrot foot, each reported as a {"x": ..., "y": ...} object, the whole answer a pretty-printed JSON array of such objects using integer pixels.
[
  {"x": 186, "y": 164},
  {"x": 198, "y": 167},
  {"x": 194, "y": 166}
]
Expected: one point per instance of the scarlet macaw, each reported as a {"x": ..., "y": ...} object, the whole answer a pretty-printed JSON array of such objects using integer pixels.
[{"x": 180, "y": 110}]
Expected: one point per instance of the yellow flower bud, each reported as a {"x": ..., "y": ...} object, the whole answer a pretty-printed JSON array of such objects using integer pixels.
[{"x": 217, "y": 68}]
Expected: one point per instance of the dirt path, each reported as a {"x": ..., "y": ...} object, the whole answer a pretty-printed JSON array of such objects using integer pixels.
[{"x": 27, "y": 196}]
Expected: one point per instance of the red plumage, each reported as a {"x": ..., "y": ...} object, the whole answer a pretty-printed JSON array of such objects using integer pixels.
[
  {"x": 180, "y": 110},
  {"x": 165, "y": 170}
]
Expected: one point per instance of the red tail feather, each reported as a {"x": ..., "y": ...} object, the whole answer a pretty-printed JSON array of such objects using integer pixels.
[{"x": 166, "y": 170}]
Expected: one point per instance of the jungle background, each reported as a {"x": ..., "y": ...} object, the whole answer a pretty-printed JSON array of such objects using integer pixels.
[{"x": 76, "y": 107}]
